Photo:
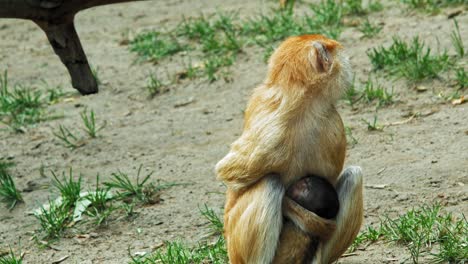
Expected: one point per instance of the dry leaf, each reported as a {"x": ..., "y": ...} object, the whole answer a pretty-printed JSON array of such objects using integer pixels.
[
  {"x": 60, "y": 260},
  {"x": 377, "y": 186},
  {"x": 421, "y": 88},
  {"x": 459, "y": 101}
]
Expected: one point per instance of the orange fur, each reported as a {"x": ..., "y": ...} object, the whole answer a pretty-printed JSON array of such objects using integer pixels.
[{"x": 291, "y": 129}]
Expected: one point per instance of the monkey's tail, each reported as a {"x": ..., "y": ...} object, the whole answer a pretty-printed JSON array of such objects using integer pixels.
[{"x": 254, "y": 223}]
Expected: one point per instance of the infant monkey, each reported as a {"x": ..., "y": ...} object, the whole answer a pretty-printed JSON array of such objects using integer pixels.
[{"x": 316, "y": 195}]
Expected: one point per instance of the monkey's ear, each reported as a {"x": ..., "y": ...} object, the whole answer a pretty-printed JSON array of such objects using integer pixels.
[{"x": 322, "y": 59}]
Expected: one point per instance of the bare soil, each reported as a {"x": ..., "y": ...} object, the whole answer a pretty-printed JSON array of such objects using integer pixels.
[{"x": 181, "y": 134}]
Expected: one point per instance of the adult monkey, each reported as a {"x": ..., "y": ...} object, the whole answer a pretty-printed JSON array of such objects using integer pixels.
[{"x": 291, "y": 129}]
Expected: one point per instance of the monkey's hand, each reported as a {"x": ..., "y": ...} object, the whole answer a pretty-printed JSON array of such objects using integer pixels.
[
  {"x": 236, "y": 171},
  {"x": 248, "y": 161},
  {"x": 308, "y": 221}
]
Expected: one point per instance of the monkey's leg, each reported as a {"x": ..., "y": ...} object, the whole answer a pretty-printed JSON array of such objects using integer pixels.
[
  {"x": 295, "y": 246},
  {"x": 253, "y": 221},
  {"x": 349, "y": 218}
]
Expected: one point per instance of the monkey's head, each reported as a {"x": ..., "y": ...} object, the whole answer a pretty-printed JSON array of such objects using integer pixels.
[{"x": 313, "y": 62}]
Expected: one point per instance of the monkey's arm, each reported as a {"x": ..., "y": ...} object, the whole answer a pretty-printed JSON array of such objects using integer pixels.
[{"x": 250, "y": 158}]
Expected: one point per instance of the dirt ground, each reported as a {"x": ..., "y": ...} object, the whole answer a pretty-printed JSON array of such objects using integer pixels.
[{"x": 413, "y": 162}]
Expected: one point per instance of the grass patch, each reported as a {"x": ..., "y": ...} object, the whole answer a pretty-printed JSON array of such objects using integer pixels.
[
  {"x": 372, "y": 125},
  {"x": 99, "y": 196},
  {"x": 215, "y": 221},
  {"x": 369, "y": 30},
  {"x": 375, "y": 92},
  {"x": 461, "y": 78},
  {"x": 432, "y": 6},
  {"x": 457, "y": 40},
  {"x": 425, "y": 231},
  {"x": 205, "y": 252},
  {"x": 67, "y": 138},
  {"x": 100, "y": 204},
  {"x": 126, "y": 187},
  {"x": 154, "y": 85},
  {"x": 349, "y": 136},
  {"x": 154, "y": 46},
  {"x": 141, "y": 189},
  {"x": 72, "y": 140},
  {"x": 412, "y": 61},
  {"x": 89, "y": 122},
  {"x": 8, "y": 192},
  {"x": 69, "y": 189},
  {"x": 217, "y": 40},
  {"x": 356, "y": 7},
  {"x": 11, "y": 258},
  {"x": 371, "y": 92},
  {"x": 22, "y": 106},
  {"x": 95, "y": 73},
  {"x": 53, "y": 219},
  {"x": 96, "y": 206}
]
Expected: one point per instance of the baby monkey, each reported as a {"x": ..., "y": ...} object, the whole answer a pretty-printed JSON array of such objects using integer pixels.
[{"x": 316, "y": 195}]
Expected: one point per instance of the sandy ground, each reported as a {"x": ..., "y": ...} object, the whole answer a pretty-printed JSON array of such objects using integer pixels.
[{"x": 419, "y": 162}]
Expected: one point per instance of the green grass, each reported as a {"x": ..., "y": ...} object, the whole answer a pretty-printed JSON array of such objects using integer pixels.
[
  {"x": 352, "y": 95},
  {"x": 215, "y": 41},
  {"x": 100, "y": 216},
  {"x": 432, "y": 6},
  {"x": 457, "y": 40},
  {"x": 53, "y": 219},
  {"x": 369, "y": 30},
  {"x": 154, "y": 46},
  {"x": 372, "y": 125},
  {"x": 66, "y": 137},
  {"x": 461, "y": 78},
  {"x": 69, "y": 188},
  {"x": 139, "y": 188},
  {"x": 412, "y": 61},
  {"x": 89, "y": 122},
  {"x": 72, "y": 140},
  {"x": 349, "y": 136},
  {"x": 95, "y": 72},
  {"x": 101, "y": 207},
  {"x": 369, "y": 93},
  {"x": 22, "y": 106},
  {"x": 19, "y": 106},
  {"x": 97, "y": 205},
  {"x": 4, "y": 166},
  {"x": 154, "y": 85},
  {"x": 356, "y": 7},
  {"x": 11, "y": 258},
  {"x": 205, "y": 252},
  {"x": 8, "y": 192},
  {"x": 99, "y": 197},
  {"x": 214, "y": 63},
  {"x": 425, "y": 231},
  {"x": 375, "y": 92},
  {"x": 215, "y": 221}
]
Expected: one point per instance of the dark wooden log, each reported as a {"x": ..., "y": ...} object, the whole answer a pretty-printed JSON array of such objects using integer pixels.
[
  {"x": 56, "y": 19},
  {"x": 67, "y": 46}
]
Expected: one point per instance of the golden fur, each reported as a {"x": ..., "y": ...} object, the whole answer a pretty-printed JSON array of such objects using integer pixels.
[{"x": 291, "y": 129}]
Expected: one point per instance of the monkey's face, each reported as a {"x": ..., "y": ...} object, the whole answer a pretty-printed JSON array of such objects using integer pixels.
[{"x": 313, "y": 62}]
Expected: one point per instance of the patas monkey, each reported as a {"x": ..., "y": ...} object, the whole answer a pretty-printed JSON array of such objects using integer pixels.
[{"x": 291, "y": 129}]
